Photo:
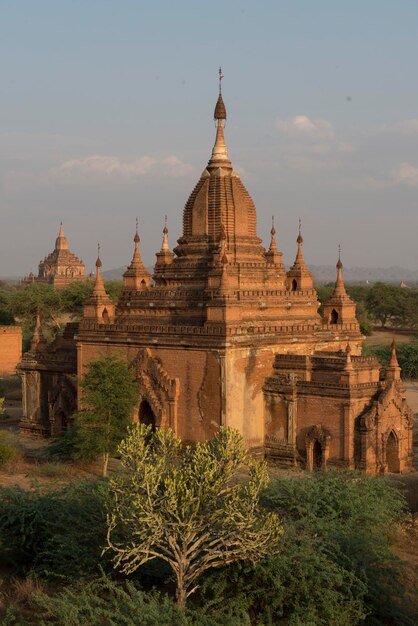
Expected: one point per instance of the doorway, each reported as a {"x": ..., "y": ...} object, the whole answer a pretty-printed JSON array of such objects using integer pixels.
[
  {"x": 392, "y": 453},
  {"x": 146, "y": 415},
  {"x": 317, "y": 455}
]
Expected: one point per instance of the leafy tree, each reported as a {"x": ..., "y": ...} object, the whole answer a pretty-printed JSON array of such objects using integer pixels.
[
  {"x": 407, "y": 354},
  {"x": 74, "y": 295},
  {"x": 113, "y": 288},
  {"x": 189, "y": 507},
  {"x": 25, "y": 301},
  {"x": 391, "y": 303},
  {"x": 109, "y": 395}
]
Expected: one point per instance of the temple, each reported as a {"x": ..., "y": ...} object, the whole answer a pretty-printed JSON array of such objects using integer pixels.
[
  {"x": 222, "y": 334},
  {"x": 59, "y": 268}
]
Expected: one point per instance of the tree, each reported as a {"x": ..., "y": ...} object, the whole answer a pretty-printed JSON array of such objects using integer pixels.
[
  {"x": 192, "y": 507},
  {"x": 109, "y": 395},
  {"x": 392, "y": 303}
]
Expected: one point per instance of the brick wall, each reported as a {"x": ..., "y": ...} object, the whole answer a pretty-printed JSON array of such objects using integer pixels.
[{"x": 10, "y": 349}]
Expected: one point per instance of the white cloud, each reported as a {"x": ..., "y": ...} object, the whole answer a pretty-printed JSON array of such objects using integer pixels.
[
  {"x": 114, "y": 168},
  {"x": 405, "y": 174},
  {"x": 97, "y": 169},
  {"x": 99, "y": 165},
  {"x": 302, "y": 126}
]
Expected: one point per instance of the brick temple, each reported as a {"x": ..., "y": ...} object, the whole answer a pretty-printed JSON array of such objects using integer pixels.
[
  {"x": 222, "y": 334},
  {"x": 59, "y": 268}
]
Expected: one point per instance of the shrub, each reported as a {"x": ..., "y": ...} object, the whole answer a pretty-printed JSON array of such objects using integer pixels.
[
  {"x": 52, "y": 469},
  {"x": 54, "y": 533},
  {"x": 106, "y": 602},
  {"x": 335, "y": 565},
  {"x": 64, "y": 448}
]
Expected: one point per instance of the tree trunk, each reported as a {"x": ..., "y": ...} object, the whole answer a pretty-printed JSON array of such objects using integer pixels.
[
  {"x": 105, "y": 463},
  {"x": 181, "y": 589}
]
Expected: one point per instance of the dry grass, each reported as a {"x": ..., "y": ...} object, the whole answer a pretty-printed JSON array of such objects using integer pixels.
[
  {"x": 381, "y": 337},
  {"x": 53, "y": 469},
  {"x": 10, "y": 452}
]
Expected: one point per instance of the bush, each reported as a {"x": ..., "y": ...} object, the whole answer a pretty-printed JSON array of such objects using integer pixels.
[
  {"x": 54, "y": 533},
  {"x": 106, "y": 602},
  {"x": 64, "y": 448},
  {"x": 335, "y": 565}
]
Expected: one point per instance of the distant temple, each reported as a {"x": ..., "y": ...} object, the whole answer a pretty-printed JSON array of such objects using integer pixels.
[
  {"x": 222, "y": 335},
  {"x": 61, "y": 267}
]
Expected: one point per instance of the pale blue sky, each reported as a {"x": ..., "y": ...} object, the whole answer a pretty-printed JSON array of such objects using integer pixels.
[{"x": 107, "y": 114}]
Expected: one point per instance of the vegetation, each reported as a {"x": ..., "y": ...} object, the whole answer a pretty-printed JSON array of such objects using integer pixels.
[
  {"x": 333, "y": 565},
  {"x": 54, "y": 533},
  {"x": 109, "y": 395},
  {"x": 380, "y": 303},
  {"x": 407, "y": 354},
  {"x": 8, "y": 449},
  {"x": 19, "y": 302},
  {"x": 188, "y": 507}
]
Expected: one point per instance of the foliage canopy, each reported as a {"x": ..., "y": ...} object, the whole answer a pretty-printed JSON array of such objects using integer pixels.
[
  {"x": 190, "y": 507},
  {"x": 109, "y": 395}
]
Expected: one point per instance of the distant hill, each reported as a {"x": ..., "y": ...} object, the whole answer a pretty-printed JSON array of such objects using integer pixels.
[
  {"x": 115, "y": 274},
  {"x": 327, "y": 274},
  {"x": 394, "y": 274},
  {"x": 322, "y": 274}
]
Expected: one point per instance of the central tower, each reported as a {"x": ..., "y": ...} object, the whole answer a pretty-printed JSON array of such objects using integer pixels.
[{"x": 202, "y": 332}]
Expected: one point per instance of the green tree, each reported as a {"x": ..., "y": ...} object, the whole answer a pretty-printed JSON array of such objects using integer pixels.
[
  {"x": 389, "y": 303},
  {"x": 109, "y": 395},
  {"x": 192, "y": 507},
  {"x": 25, "y": 301},
  {"x": 74, "y": 295}
]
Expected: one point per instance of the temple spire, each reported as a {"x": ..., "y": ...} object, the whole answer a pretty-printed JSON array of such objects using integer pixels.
[
  {"x": 393, "y": 371},
  {"x": 136, "y": 276},
  {"x": 165, "y": 247},
  {"x": 299, "y": 240},
  {"x": 220, "y": 152},
  {"x": 299, "y": 277},
  {"x": 136, "y": 259},
  {"x": 339, "y": 285},
  {"x": 99, "y": 288},
  {"x": 38, "y": 337},
  {"x": 99, "y": 308},
  {"x": 393, "y": 356},
  {"x": 61, "y": 242},
  {"x": 273, "y": 245}
]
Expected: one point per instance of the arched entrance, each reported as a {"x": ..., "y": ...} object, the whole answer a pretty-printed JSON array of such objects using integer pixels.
[
  {"x": 334, "y": 316},
  {"x": 60, "y": 423},
  {"x": 146, "y": 414},
  {"x": 392, "y": 453},
  {"x": 317, "y": 455},
  {"x": 294, "y": 284}
]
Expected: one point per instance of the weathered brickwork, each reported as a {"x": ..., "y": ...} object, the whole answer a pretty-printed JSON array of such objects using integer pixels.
[
  {"x": 10, "y": 349},
  {"x": 222, "y": 334}
]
